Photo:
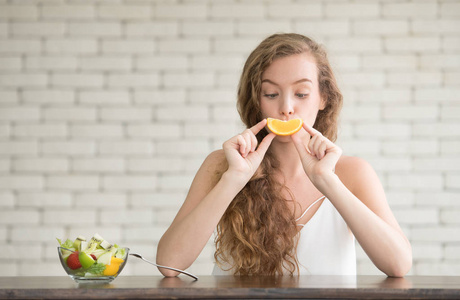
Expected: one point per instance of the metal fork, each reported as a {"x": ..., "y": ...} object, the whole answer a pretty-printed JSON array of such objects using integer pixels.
[{"x": 164, "y": 267}]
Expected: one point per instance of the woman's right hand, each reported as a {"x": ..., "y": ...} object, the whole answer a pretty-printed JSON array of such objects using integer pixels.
[{"x": 243, "y": 155}]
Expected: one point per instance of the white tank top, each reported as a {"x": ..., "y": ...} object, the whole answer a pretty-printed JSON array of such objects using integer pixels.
[{"x": 326, "y": 244}]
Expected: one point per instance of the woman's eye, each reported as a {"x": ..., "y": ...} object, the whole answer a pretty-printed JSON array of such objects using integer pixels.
[
  {"x": 300, "y": 95},
  {"x": 270, "y": 96}
]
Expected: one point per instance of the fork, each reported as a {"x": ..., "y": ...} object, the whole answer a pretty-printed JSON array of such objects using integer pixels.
[{"x": 164, "y": 267}]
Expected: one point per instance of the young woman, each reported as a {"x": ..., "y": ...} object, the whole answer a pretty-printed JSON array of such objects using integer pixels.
[{"x": 286, "y": 204}]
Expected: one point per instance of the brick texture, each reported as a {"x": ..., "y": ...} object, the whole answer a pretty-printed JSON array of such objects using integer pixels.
[{"x": 107, "y": 110}]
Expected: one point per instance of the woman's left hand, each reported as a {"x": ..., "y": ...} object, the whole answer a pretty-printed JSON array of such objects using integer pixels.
[{"x": 319, "y": 156}]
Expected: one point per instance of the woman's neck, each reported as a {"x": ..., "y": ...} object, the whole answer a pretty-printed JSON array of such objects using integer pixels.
[{"x": 288, "y": 157}]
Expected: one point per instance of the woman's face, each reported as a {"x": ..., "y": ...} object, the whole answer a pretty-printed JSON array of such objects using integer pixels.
[{"x": 290, "y": 89}]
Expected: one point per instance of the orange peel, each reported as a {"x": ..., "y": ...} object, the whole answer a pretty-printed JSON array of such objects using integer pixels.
[{"x": 284, "y": 128}]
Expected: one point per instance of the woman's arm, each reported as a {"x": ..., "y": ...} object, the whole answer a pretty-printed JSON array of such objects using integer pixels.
[{"x": 207, "y": 199}]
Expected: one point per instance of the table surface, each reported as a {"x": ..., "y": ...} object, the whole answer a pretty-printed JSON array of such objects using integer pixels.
[{"x": 255, "y": 287}]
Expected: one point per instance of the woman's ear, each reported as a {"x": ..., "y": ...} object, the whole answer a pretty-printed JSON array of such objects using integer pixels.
[{"x": 322, "y": 104}]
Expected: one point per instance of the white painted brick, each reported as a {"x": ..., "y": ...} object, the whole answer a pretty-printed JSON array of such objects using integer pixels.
[
  {"x": 158, "y": 199},
  {"x": 437, "y": 164},
  {"x": 238, "y": 11},
  {"x": 161, "y": 62},
  {"x": 243, "y": 45},
  {"x": 101, "y": 200},
  {"x": 450, "y": 216},
  {"x": 361, "y": 79},
  {"x": 72, "y": 182},
  {"x": 105, "y": 97},
  {"x": 68, "y": 147},
  {"x": 98, "y": 165},
  {"x": 102, "y": 29},
  {"x": 412, "y": 44},
  {"x": 105, "y": 63},
  {"x": 9, "y": 97},
  {"x": 357, "y": 146},
  {"x": 13, "y": 12},
  {"x": 152, "y": 29},
  {"x": 345, "y": 62},
  {"x": 448, "y": 268},
  {"x": 40, "y": 269},
  {"x": 322, "y": 28},
  {"x": 181, "y": 11},
  {"x": 183, "y": 147},
  {"x": 357, "y": 114},
  {"x": 20, "y": 113},
  {"x": 130, "y": 183},
  {"x": 378, "y": 130},
  {"x": 69, "y": 217},
  {"x": 194, "y": 79},
  {"x": 18, "y": 147},
  {"x": 124, "y": 11},
  {"x": 389, "y": 62},
  {"x": 355, "y": 45},
  {"x": 195, "y": 45},
  {"x": 426, "y": 251},
  {"x": 4, "y": 130},
  {"x": 71, "y": 113},
  {"x": 400, "y": 164},
  {"x": 54, "y": 96},
  {"x": 450, "y": 9},
  {"x": 207, "y": 28},
  {"x": 417, "y": 79},
  {"x": 294, "y": 10},
  {"x": 213, "y": 96},
  {"x": 420, "y": 9},
  {"x": 450, "y": 43},
  {"x": 71, "y": 46},
  {"x": 3, "y": 29},
  {"x": 217, "y": 62},
  {"x": 453, "y": 181},
  {"x": 264, "y": 28},
  {"x": 10, "y": 63},
  {"x": 67, "y": 12},
  {"x": 228, "y": 79},
  {"x": 437, "y": 94},
  {"x": 159, "y": 96},
  {"x": 41, "y": 165},
  {"x": 22, "y": 217},
  {"x": 123, "y": 46},
  {"x": 221, "y": 113},
  {"x": 21, "y": 80},
  {"x": 412, "y": 147},
  {"x": 400, "y": 199},
  {"x": 155, "y": 164},
  {"x": 20, "y": 252},
  {"x": 48, "y": 130},
  {"x": 126, "y": 147},
  {"x": 451, "y": 79},
  {"x": 17, "y": 46},
  {"x": 6, "y": 200},
  {"x": 130, "y": 217},
  {"x": 452, "y": 252},
  {"x": 148, "y": 80},
  {"x": 352, "y": 10},
  {"x": 138, "y": 233},
  {"x": 96, "y": 130},
  {"x": 210, "y": 130},
  {"x": 44, "y": 199},
  {"x": 450, "y": 147},
  {"x": 381, "y": 27},
  {"x": 77, "y": 80},
  {"x": 419, "y": 181},
  {"x": 435, "y": 234},
  {"x": 184, "y": 113},
  {"x": 440, "y": 199},
  {"x": 42, "y": 29},
  {"x": 127, "y": 114},
  {"x": 51, "y": 63},
  {"x": 411, "y": 113},
  {"x": 416, "y": 216},
  {"x": 440, "y": 61},
  {"x": 436, "y": 129},
  {"x": 161, "y": 130}
]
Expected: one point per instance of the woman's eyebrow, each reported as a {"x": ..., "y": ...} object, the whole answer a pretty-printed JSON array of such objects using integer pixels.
[{"x": 298, "y": 81}]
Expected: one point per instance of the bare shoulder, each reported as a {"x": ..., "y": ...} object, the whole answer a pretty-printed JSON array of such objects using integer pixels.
[
  {"x": 355, "y": 171},
  {"x": 215, "y": 162}
]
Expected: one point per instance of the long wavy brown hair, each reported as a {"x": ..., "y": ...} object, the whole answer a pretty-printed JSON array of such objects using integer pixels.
[{"x": 257, "y": 233}]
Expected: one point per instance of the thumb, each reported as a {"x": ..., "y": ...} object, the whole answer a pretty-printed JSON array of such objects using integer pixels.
[
  {"x": 265, "y": 143},
  {"x": 301, "y": 149}
]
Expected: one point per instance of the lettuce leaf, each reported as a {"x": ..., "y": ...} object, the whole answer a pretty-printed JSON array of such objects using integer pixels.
[
  {"x": 96, "y": 269},
  {"x": 67, "y": 244}
]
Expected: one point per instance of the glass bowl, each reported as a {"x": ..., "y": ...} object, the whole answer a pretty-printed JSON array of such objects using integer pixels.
[{"x": 81, "y": 275}]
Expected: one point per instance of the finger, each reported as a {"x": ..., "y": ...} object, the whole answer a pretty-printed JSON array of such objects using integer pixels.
[
  {"x": 258, "y": 127},
  {"x": 312, "y": 131},
  {"x": 304, "y": 153},
  {"x": 241, "y": 143},
  {"x": 254, "y": 142},
  {"x": 247, "y": 138},
  {"x": 265, "y": 143},
  {"x": 322, "y": 149}
]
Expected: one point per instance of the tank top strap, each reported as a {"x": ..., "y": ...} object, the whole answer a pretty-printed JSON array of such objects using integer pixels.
[{"x": 305, "y": 211}]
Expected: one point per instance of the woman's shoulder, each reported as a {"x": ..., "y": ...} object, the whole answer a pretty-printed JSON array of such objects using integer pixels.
[
  {"x": 352, "y": 170},
  {"x": 215, "y": 163}
]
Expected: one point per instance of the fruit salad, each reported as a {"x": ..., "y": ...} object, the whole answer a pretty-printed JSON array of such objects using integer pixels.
[{"x": 93, "y": 258}]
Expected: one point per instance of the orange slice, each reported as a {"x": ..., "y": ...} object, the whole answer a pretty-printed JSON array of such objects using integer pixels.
[{"x": 280, "y": 127}]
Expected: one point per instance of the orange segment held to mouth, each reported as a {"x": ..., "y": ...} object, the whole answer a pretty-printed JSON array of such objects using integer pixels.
[{"x": 284, "y": 128}]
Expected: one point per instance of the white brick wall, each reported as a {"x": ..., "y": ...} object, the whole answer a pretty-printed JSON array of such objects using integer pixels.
[{"x": 108, "y": 109}]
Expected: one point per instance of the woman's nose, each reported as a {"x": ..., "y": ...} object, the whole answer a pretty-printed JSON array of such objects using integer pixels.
[{"x": 287, "y": 107}]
